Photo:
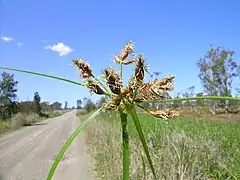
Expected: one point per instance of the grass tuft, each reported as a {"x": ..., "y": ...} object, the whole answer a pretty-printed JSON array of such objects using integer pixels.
[{"x": 182, "y": 149}]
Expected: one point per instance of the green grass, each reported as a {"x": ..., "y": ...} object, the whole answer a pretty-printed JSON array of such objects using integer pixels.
[{"x": 180, "y": 149}]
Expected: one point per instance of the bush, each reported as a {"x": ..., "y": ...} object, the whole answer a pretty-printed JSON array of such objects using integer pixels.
[
  {"x": 17, "y": 120},
  {"x": 21, "y": 119},
  {"x": 31, "y": 119},
  {"x": 4, "y": 126},
  {"x": 55, "y": 114}
]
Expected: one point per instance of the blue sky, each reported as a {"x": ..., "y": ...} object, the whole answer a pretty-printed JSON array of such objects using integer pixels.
[{"x": 172, "y": 34}]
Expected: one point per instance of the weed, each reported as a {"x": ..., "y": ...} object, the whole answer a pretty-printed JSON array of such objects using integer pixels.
[
  {"x": 122, "y": 99},
  {"x": 181, "y": 149}
]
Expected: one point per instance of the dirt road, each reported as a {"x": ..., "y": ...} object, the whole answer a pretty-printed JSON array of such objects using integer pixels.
[{"x": 28, "y": 154}]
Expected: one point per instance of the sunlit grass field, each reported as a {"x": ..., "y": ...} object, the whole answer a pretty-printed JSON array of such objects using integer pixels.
[{"x": 181, "y": 148}]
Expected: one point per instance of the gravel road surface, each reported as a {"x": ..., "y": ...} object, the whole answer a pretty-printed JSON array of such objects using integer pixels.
[{"x": 28, "y": 154}]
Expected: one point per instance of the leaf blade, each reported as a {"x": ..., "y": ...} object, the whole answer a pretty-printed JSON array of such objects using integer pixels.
[
  {"x": 133, "y": 113},
  {"x": 41, "y": 74},
  {"x": 215, "y": 98},
  {"x": 125, "y": 144},
  {"x": 68, "y": 143}
]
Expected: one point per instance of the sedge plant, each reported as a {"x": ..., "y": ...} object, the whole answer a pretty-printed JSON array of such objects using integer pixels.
[{"x": 124, "y": 100}]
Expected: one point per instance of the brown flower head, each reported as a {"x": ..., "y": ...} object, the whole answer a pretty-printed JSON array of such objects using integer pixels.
[
  {"x": 128, "y": 49},
  {"x": 94, "y": 87},
  {"x": 139, "y": 69},
  {"x": 113, "y": 80},
  {"x": 155, "y": 90},
  {"x": 165, "y": 114},
  {"x": 136, "y": 91},
  {"x": 158, "y": 86},
  {"x": 83, "y": 67},
  {"x": 125, "y": 62},
  {"x": 113, "y": 104}
]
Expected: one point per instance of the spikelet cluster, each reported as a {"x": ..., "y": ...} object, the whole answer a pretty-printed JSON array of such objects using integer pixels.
[
  {"x": 83, "y": 67},
  {"x": 136, "y": 90},
  {"x": 165, "y": 114},
  {"x": 113, "y": 80},
  {"x": 155, "y": 90},
  {"x": 127, "y": 50}
]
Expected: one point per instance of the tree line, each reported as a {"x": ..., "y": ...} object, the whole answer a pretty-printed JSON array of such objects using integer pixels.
[{"x": 10, "y": 106}]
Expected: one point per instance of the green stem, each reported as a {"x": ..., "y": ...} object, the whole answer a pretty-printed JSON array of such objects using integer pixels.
[
  {"x": 121, "y": 71},
  {"x": 125, "y": 145},
  {"x": 45, "y": 75},
  {"x": 197, "y": 98},
  {"x": 132, "y": 111}
]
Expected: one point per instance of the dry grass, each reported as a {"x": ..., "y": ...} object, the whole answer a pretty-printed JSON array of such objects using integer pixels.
[
  {"x": 203, "y": 113},
  {"x": 20, "y": 119},
  {"x": 4, "y": 127},
  {"x": 181, "y": 149}
]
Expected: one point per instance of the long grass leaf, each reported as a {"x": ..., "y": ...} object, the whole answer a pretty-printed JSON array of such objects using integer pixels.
[
  {"x": 41, "y": 74},
  {"x": 196, "y": 98},
  {"x": 125, "y": 145},
  {"x": 68, "y": 143},
  {"x": 132, "y": 111},
  {"x": 144, "y": 168}
]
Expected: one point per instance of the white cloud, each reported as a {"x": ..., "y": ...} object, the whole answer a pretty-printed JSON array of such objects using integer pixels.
[
  {"x": 60, "y": 48},
  {"x": 19, "y": 44},
  {"x": 6, "y": 38}
]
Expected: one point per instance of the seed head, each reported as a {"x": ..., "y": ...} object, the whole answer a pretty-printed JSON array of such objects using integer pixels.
[
  {"x": 162, "y": 85},
  {"x": 128, "y": 49},
  {"x": 125, "y": 62},
  {"x": 113, "y": 80},
  {"x": 139, "y": 69},
  {"x": 83, "y": 67},
  {"x": 113, "y": 104},
  {"x": 165, "y": 114},
  {"x": 128, "y": 91},
  {"x": 94, "y": 87},
  {"x": 155, "y": 90},
  {"x": 130, "y": 61}
]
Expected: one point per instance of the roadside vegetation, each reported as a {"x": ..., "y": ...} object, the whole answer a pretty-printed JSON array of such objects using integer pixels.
[
  {"x": 16, "y": 114},
  {"x": 153, "y": 135},
  {"x": 203, "y": 143},
  {"x": 183, "y": 148}
]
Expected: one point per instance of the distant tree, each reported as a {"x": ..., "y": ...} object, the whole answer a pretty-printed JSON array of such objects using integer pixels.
[
  {"x": 238, "y": 91},
  {"x": 66, "y": 105},
  {"x": 200, "y": 102},
  {"x": 56, "y": 106},
  {"x": 45, "y": 106},
  {"x": 89, "y": 105},
  {"x": 79, "y": 104},
  {"x": 218, "y": 69},
  {"x": 177, "y": 104},
  {"x": 8, "y": 89},
  {"x": 190, "y": 92},
  {"x": 26, "y": 107},
  {"x": 103, "y": 100},
  {"x": 36, "y": 101},
  {"x": 85, "y": 99}
]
